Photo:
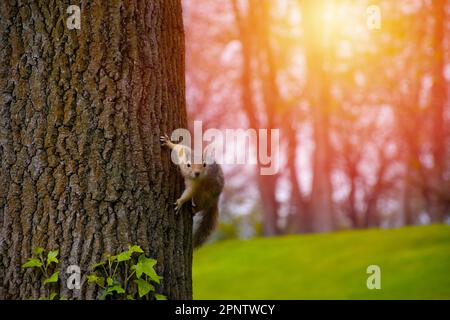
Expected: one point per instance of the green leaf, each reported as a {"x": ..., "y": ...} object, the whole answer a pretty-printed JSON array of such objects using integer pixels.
[
  {"x": 145, "y": 265},
  {"x": 63, "y": 298},
  {"x": 93, "y": 278},
  {"x": 109, "y": 281},
  {"x": 135, "y": 249},
  {"x": 52, "y": 257},
  {"x": 95, "y": 266},
  {"x": 32, "y": 263},
  {"x": 53, "y": 278},
  {"x": 143, "y": 287},
  {"x": 130, "y": 297},
  {"x": 110, "y": 258},
  {"x": 38, "y": 250},
  {"x": 160, "y": 296},
  {"x": 117, "y": 288},
  {"x": 110, "y": 290},
  {"x": 124, "y": 256}
]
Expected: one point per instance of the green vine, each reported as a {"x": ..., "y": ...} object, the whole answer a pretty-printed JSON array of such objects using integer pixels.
[
  {"x": 46, "y": 265},
  {"x": 136, "y": 277},
  {"x": 129, "y": 275}
]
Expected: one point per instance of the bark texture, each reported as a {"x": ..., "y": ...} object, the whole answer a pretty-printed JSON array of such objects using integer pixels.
[{"x": 81, "y": 112}]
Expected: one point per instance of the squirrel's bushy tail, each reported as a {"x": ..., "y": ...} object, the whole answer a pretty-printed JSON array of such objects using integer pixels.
[{"x": 206, "y": 226}]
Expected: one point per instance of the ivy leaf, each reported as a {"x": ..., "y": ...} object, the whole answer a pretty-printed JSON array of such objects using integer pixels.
[
  {"x": 110, "y": 290},
  {"x": 145, "y": 265},
  {"x": 52, "y": 257},
  {"x": 160, "y": 296},
  {"x": 113, "y": 286},
  {"x": 143, "y": 287},
  {"x": 117, "y": 288},
  {"x": 135, "y": 249},
  {"x": 53, "y": 278},
  {"x": 32, "y": 263},
  {"x": 95, "y": 266},
  {"x": 93, "y": 278},
  {"x": 110, "y": 258},
  {"x": 124, "y": 256},
  {"x": 38, "y": 250}
]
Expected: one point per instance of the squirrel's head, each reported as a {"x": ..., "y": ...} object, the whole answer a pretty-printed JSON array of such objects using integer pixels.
[{"x": 193, "y": 169}]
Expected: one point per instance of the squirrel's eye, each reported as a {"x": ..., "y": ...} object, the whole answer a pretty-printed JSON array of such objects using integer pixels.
[
  {"x": 204, "y": 164},
  {"x": 189, "y": 164}
]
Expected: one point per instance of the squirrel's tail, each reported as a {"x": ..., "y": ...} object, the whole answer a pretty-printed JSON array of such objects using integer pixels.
[{"x": 207, "y": 224}]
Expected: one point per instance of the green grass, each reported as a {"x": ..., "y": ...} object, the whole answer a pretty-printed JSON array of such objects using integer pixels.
[{"x": 414, "y": 262}]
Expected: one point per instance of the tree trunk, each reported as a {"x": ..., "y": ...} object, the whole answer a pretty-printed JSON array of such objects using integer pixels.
[
  {"x": 353, "y": 214},
  {"x": 319, "y": 91},
  {"x": 266, "y": 184},
  {"x": 436, "y": 205},
  {"x": 300, "y": 219},
  {"x": 81, "y": 113}
]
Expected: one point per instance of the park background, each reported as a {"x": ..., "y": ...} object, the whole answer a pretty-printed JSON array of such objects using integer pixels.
[{"x": 364, "y": 116}]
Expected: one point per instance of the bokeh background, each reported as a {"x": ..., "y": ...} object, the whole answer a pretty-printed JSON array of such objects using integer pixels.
[{"x": 365, "y": 144}]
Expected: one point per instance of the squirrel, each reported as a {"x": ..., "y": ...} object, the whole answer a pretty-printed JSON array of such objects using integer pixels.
[{"x": 204, "y": 183}]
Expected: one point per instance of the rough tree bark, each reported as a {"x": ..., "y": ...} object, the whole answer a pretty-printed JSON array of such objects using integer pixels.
[{"x": 81, "y": 112}]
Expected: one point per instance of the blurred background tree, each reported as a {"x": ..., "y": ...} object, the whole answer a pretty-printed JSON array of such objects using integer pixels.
[{"x": 363, "y": 114}]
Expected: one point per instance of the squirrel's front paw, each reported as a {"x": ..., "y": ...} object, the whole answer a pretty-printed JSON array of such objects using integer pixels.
[
  {"x": 165, "y": 140},
  {"x": 178, "y": 204}
]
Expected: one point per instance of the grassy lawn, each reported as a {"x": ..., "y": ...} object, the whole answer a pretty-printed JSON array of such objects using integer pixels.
[{"x": 414, "y": 262}]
